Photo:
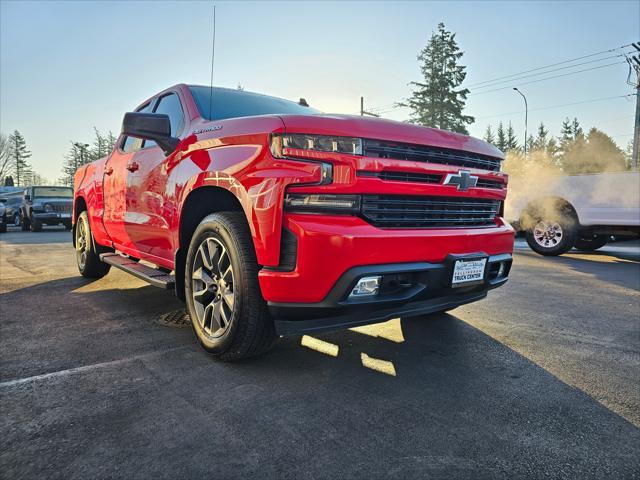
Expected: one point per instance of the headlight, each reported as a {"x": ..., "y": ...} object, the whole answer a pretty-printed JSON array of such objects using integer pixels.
[
  {"x": 285, "y": 145},
  {"x": 48, "y": 208},
  {"x": 302, "y": 202}
]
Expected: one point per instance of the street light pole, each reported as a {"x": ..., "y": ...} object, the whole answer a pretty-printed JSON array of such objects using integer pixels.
[{"x": 526, "y": 119}]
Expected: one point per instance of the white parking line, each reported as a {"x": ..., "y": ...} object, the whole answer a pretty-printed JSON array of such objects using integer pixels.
[{"x": 85, "y": 368}]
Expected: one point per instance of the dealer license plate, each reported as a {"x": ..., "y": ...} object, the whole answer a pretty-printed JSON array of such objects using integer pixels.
[{"x": 468, "y": 271}]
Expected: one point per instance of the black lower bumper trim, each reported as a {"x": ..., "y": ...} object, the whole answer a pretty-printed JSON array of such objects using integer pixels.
[
  {"x": 407, "y": 289},
  {"x": 296, "y": 327}
]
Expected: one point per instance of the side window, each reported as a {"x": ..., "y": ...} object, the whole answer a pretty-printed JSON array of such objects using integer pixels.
[
  {"x": 170, "y": 105},
  {"x": 131, "y": 144}
]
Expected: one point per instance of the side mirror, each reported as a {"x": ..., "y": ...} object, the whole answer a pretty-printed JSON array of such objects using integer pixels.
[
  {"x": 150, "y": 126},
  {"x": 27, "y": 197}
]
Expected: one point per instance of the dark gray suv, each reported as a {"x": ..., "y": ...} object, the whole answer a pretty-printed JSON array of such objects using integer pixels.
[{"x": 42, "y": 205}]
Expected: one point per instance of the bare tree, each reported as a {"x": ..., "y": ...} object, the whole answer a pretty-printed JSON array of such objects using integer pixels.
[{"x": 6, "y": 160}]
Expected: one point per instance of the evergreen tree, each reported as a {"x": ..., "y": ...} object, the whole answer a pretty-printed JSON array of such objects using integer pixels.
[
  {"x": 99, "y": 149},
  {"x": 576, "y": 129},
  {"x": 111, "y": 141},
  {"x": 512, "y": 143},
  {"x": 74, "y": 159},
  {"x": 595, "y": 153},
  {"x": 19, "y": 158},
  {"x": 8, "y": 181},
  {"x": 501, "y": 138},
  {"x": 489, "y": 137},
  {"x": 438, "y": 101},
  {"x": 542, "y": 138}
]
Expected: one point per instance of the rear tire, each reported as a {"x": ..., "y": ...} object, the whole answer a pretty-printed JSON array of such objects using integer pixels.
[
  {"x": 89, "y": 263},
  {"x": 228, "y": 314},
  {"x": 590, "y": 244}
]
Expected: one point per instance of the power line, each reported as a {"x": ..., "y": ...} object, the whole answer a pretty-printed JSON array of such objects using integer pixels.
[
  {"x": 549, "y": 78},
  {"x": 517, "y": 79},
  {"x": 550, "y": 65},
  {"x": 549, "y": 107}
]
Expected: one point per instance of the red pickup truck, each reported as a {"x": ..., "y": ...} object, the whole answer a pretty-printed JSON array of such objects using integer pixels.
[{"x": 269, "y": 218}]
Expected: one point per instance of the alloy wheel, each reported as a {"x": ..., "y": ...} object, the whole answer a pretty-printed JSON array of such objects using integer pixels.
[
  {"x": 82, "y": 242},
  {"x": 547, "y": 234},
  {"x": 212, "y": 287}
]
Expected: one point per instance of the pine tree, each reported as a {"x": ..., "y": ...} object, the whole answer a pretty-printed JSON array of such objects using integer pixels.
[
  {"x": 576, "y": 129},
  {"x": 438, "y": 101},
  {"x": 594, "y": 153},
  {"x": 542, "y": 138},
  {"x": 111, "y": 141},
  {"x": 512, "y": 143},
  {"x": 99, "y": 149},
  {"x": 489, "y": 137},
  {"x": 19, "y": 155},
  {"x": 501, "y": 138},
  {"x": 72, "y": 161}
]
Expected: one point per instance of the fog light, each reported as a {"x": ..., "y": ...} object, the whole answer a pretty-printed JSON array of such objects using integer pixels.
[
  {"x": 366, "y": 287},
  {"x": 502, "y": 270}
]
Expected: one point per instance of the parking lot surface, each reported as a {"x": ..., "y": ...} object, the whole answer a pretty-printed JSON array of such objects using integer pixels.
[{"x": 540, "y": 380}]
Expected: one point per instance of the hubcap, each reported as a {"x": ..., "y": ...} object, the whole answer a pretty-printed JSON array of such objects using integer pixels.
[
  {"x": 81, "y": 244},
  {"x": 547, "y": 234},
  {"x": 212, "y": 287}
]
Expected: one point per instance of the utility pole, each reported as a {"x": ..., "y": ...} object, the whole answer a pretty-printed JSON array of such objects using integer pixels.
[
  {"x": 363, "y": 112},
  {"x": 635, "y": 64}
]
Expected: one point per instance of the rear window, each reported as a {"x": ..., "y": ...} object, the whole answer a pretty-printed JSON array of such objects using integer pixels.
[
  {"x": 228, "y": 103},
  {"x": 53, "y": 192}
]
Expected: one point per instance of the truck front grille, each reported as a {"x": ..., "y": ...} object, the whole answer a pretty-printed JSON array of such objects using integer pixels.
[
  {"x": 424, "y": 153},
  {"x": 393, "y": 176},
  {"x": 61, "y": 207},
  {"x": 407, "y": 211}
]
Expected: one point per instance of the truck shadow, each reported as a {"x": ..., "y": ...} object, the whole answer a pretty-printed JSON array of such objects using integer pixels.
[{"x": 406, "y": 398}]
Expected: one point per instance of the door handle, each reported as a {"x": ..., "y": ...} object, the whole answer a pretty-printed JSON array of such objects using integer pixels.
[
  {"x": 133, "y": 166},
  {"x": 108, "y": 170}
]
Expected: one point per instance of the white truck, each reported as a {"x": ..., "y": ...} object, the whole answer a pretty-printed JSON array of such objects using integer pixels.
[{"x": 560, "y": 212}]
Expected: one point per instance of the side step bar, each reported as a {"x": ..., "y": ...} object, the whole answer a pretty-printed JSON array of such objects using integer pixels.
[{"x": 154, "y": 276}]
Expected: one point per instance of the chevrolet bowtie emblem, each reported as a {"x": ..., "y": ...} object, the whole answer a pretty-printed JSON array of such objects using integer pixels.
[{"x": 463, "y": 179}]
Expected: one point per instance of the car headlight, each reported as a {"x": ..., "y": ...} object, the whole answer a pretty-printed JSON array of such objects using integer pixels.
[
  {"x": 321, "y": 203},
  {"x": 48, "y": 208},
  {"x": 283, "y": 145}
]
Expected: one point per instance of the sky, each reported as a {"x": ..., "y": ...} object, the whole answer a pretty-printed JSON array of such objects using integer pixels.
[{"x": 66, "y": 67}]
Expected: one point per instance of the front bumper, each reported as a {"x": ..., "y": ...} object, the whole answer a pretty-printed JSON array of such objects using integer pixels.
[
  {"x": 329, "y": 246},
  {"x": 407, "y": 290}
]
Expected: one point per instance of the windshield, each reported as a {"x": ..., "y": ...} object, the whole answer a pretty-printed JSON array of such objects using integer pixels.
[
  {"x": 227, "y": 103},
  {"x": 64, "y": 192}
]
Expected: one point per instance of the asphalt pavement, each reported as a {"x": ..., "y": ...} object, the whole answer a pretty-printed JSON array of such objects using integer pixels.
[{"x": 540, "y": 380}]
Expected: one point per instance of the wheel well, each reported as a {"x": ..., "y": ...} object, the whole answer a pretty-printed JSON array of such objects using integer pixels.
[
  {"x": 548, "y": 208},
  {"x": 79, "y": 207},
  {"x": 199, "y": 203}
]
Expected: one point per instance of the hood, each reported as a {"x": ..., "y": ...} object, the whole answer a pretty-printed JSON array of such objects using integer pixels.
[{"x": 389, "y": 130}]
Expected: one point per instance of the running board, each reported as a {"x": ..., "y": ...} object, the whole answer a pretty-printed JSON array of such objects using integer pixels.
[{"x": 154, "y": 276}]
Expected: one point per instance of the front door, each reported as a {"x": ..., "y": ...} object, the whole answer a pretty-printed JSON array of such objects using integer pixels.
[{"x": 145, "y": 190}]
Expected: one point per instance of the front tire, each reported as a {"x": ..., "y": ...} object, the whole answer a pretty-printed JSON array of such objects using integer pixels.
[
  {"x": 24, "y": 225},
  {"x": 36, "y": 225},
  {"x": 89, "y": 263},
  {"x": 16, "y": 220},
  {"x": 228, "y": 314}
]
